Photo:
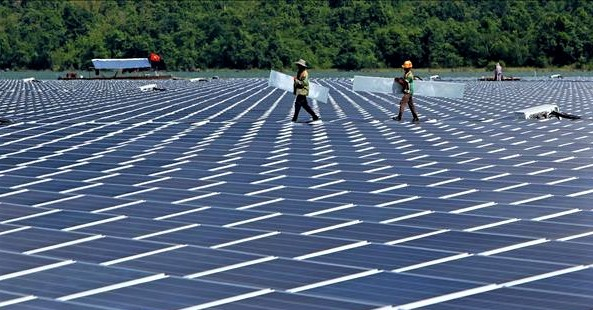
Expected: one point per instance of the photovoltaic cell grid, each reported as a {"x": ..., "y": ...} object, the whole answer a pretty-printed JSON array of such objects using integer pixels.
[{"x": 205, "y": 195}]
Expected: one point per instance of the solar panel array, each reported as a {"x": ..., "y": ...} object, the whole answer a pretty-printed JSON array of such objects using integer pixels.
[{"x": 205, "y": 195}]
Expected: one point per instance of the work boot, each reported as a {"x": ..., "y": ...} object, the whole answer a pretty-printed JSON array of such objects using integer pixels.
[{"x": 414, "y": 114}]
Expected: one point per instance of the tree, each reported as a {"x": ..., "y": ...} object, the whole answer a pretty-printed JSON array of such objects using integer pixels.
[{"x": 345, "y": 34}]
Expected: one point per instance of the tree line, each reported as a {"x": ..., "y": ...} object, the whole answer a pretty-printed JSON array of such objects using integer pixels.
[{"x": 341, "y": 34}]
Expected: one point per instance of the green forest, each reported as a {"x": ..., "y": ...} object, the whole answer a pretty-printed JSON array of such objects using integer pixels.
[{"x": 263, "y": 34}]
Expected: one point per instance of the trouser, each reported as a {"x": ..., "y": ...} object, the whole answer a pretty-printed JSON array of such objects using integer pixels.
[
  {"x": 407, "y": 99},
  {"x": 301, "y": 101}
]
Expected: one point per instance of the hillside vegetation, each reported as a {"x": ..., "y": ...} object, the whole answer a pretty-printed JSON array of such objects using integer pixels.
[{"x": 340, "y": 34}]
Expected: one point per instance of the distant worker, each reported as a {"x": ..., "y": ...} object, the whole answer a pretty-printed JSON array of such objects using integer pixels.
[
  {"x": 156, "y": 61},
  {"x": 407, "y": 83},
  {"x": 301, "y": 90},
  {"x": 498, "y": 72}
]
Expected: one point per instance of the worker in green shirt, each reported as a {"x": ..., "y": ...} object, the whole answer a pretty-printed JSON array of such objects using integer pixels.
[
  {"x": 301, "y": 90},
  {"x": 407, "y": 83}
]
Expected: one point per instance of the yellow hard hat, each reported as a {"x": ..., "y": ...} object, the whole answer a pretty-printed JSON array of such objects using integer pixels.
[{"x": 407, "y": 64}]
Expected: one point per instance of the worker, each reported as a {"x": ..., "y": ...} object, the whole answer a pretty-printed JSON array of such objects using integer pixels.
[
  {"x": 301, "y": 90},
  {"x": 498, "y": 72},
  {"x": 407, "y": 83}
]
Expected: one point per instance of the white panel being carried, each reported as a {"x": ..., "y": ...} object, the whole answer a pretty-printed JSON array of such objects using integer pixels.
[
  {"x": 285, "y": 82},
  {"x": 421, "y": 88},
  {"x": 126, "y": 63},
  {"x": 375, "y": 85},
  {"x": 538, "y": 112}
]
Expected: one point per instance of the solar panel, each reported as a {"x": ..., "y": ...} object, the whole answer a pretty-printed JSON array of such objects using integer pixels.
[
  {"x": 187, "y": 261},
  {"x": 385, "y": 288},
  {"x": 517, "y": 299},
  {"x": 387, "y": 257},
  {"x": 32, "y": 302},
  {"x": 56, "y": 280},
  {"x": 205, "y": 196},
  {"x": 276, "y": 300}
]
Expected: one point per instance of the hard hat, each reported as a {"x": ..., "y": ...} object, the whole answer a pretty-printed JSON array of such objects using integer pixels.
[{"x": 407, "y": 64}]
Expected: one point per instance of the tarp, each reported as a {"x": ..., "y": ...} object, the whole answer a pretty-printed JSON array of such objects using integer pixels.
[
  {"x": 285, "y": 82},
  {"x": 421, "y": 88},
  {"x": 125, "y": 63}
]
